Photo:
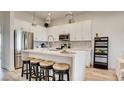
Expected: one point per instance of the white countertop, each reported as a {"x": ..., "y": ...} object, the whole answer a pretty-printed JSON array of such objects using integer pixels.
[
  {"x": 75, "y": 58},
  {"x": 54, "y": 52}
]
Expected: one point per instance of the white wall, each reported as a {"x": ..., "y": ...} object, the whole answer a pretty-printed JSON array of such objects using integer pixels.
[
  {"x": 109, "y": 24},
  {"x": 7, "y": 41}
]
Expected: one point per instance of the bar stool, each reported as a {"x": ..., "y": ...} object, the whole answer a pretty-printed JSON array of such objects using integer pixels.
[
  {"x": 61, "y": 69},
  {"x": 34, "y": 69},
  {"x": 46, "y": 66},
  {"x": 26, "y": 62}
]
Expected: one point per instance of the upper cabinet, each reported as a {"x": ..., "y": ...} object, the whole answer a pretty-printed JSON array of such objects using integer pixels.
[
  {"x": 40, "y": 33},
  {"x": 82, "y": 31},
  {"x": 87, "y": 33},
  {"x": 54, "y": 31},
  {"x": 79, "y": 31}
]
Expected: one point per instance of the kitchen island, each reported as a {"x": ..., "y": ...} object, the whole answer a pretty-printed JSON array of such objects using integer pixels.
[{"x": 76, "y": 60}]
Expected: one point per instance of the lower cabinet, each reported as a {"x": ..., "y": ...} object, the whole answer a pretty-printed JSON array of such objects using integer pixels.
[{"x": 88, "y": 59}]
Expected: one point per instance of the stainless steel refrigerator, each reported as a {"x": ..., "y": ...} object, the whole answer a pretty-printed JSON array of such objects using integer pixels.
[{"x": 22, "y": 41}]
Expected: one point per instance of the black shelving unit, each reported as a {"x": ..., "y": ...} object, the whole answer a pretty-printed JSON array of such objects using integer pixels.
[{"x": 101, "y": 52}]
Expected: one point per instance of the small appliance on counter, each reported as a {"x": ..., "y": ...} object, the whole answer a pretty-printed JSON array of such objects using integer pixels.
[
  {"x": 65, "y": 45},
  {"x": 43, "y": 45}
]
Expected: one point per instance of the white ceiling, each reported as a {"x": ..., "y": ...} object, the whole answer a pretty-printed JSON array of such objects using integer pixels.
[{"x": 54, "y": 14}]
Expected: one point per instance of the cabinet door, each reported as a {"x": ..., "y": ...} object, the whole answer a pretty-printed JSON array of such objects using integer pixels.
[
  {"x": 64, "y": 29},
  {"x": 54, "y": 32},
  {"x": 36, "y": 33},
  {"x": 40, "y": 33},
  {"x": 79, "y": 31},
  {"x": 87, "y": 30},
  {"x": 43, "y": 34},
  {"x": 72, "y": 30}
]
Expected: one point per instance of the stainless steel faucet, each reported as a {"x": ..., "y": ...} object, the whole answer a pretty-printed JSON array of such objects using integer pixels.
[{"x": 50, "y": 36}]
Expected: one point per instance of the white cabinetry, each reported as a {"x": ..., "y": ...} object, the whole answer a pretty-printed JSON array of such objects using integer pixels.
[
  {"x": 87, "y": 30},
  {"x": 79, "y": 31},
  {"x": 88, "y": 59},
  {"x": 40, "y": 33},
  {"x": 54, "y": 31},
  {"x": 72, "y": 30}
]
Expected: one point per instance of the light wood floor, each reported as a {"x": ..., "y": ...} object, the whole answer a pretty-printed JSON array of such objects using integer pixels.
[{"x": 92, "y": 74}]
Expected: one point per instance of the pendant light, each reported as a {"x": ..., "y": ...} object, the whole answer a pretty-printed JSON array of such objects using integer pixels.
[
  {"x": 48, "y": 20},
  {"x": 34, "y": 23},
  {"x": 69, "y": 17}
]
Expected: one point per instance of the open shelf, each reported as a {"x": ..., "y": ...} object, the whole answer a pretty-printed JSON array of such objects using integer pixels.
[{"x": 101, "y": 52}]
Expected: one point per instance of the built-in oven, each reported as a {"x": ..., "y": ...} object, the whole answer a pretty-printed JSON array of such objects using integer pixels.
[{"x": 64, "y": 37}]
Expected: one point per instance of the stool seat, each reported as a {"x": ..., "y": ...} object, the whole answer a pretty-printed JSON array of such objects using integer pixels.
[
  {"x": 46, "y": 66},
  {"x": 27, "y": 58},
  {"x": 33, "y": 61},
  {"x": 61, "y": 66},
  {"x": 46, "y": 63}
]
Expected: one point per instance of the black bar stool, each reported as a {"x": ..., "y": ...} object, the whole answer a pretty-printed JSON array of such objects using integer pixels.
[
  {"x": 61, "y": 69},
  {"x": 34, "y": 69},
  {"x": 26, "y": 66},
  {"x": 46, "y": 66}
]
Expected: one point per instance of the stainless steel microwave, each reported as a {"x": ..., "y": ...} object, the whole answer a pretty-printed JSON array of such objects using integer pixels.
[{"x": 64, "y": 37}]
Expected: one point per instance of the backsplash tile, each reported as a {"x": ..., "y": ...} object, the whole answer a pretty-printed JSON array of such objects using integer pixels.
[{"x": 74, "y": 44}]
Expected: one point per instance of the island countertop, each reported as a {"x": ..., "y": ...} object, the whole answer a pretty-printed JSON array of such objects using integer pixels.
[
  {"x": 76, "y": 59},
  {"x": 70, "y": 53}
]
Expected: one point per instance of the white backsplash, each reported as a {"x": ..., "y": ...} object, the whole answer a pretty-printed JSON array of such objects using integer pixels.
[
  {"x": 81, "y": 45},
  {"x": 74, "y": 44}
]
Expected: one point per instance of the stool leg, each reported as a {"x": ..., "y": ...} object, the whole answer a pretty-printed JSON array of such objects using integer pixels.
[
  {"x": 43, "y": 73},
  {"x": 30, "y": 72},
  {"x": 62, "y": 76},
  {"x": 36, "y": 72},
  {"x": 48, "y": 74},
  {"x": 53, "y": 75},
  {"x": 59, "y": 76},
  {"x": 26, "y": 71},
  {"x": 22, "y": 69},
  {"x": 40, "y": 74},
  {"x": 68, "y": 76}
]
